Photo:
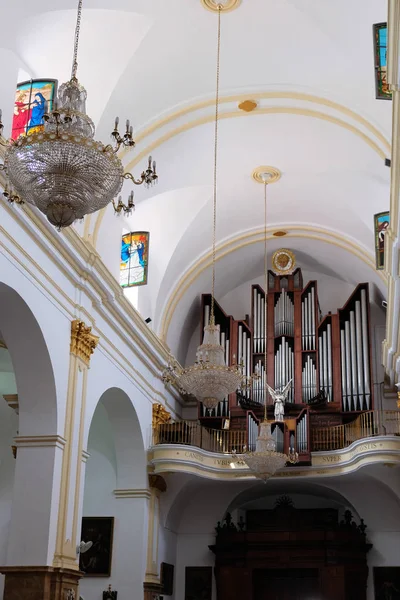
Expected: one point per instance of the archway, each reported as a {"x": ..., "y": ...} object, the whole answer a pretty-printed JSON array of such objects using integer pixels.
[{"x": 115, "y": 489}]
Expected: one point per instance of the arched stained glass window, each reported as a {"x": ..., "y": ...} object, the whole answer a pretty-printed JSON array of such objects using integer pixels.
[
  {"x": 134, "y": 258},
  {"x": 380, "y": 50},
  {"x": 32, "y": 99}
]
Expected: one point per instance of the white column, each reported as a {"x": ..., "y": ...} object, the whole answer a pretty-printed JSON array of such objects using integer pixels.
[{"x": 35, "y": 500}]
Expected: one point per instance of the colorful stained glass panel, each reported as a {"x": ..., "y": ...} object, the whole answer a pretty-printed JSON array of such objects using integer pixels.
[
  {"x": 381, "y": 222},
  {"x": 32, "y": 99},
  {"x": 380, "y": 49},
  {"x": 134, "y": 258}
]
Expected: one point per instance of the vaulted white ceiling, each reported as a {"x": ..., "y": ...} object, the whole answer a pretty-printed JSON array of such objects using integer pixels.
[{"x": 308, "y": 64}]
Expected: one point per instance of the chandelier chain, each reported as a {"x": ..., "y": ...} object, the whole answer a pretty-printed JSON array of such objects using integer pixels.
[
  {"x": 76, "y": 40},
  {"x": 212, "y": 317},
  {"x": 265, "y": 299}
]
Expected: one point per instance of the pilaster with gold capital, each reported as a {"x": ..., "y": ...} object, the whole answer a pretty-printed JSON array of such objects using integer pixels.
[{"x": 82, "y": 345}]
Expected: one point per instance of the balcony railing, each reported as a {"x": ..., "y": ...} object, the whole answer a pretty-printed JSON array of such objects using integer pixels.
[
  {"x": 191, "y": 433},
  {"x": 366, "y": 425}
]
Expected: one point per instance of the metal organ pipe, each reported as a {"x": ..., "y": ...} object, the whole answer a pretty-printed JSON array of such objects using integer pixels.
[
  {"x": 353, "y": 349},
  {"x": 343, "y": 365},
  {"x": 348, "y": 364},
  {"x": 365, "y": 347},
  {"x": 329, "y": 359},
  {"x": 360, "y": 382}
]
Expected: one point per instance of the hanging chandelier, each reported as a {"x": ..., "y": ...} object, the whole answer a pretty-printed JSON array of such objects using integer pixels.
[
  {"x": 61, "y": 169},
  {"x": 210, "y": 379},
  {"x": 265, "y": 461}
]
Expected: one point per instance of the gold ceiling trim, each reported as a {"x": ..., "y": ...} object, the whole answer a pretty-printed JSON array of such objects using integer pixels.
[
  {"x": 231, "y": 115},
  {"x": 249, "y": 238},
  {"x": 271, "y": 95},
  {"x": 226, "y": 6},
  {"x": 259, "y": 173}
]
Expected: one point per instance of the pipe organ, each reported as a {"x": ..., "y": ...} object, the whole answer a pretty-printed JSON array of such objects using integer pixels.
[{"x": 327, "y": 358}]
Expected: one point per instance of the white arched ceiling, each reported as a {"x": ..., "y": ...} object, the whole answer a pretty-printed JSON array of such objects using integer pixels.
[{"x": 310, "y": 66}]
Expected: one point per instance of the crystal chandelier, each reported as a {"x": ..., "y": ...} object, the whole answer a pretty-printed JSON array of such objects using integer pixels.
[
  {"x": 265, "y": 461},
  {"x": 62, "y": 169},
  {"x": 210, "y": 379}
]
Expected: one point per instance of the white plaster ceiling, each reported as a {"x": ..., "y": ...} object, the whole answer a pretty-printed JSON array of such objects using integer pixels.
[{"x": 146, "y": 59}]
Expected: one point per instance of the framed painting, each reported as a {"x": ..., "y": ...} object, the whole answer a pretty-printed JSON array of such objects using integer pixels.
[
  {"x": 96, "y": 562},
  {"x": 380, "y": 53},
  {"x": 381, "y": 224},
  {"x": 167, "y": 579},
  {"x": 198, "y": 583},
  {"x": 387, "y": 583},
  {"x": 134, "y": 258},
  {"x": 32, "y": 100}
]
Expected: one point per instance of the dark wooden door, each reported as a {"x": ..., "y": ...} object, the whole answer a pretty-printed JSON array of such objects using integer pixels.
[{"x": 286, "y": 584}]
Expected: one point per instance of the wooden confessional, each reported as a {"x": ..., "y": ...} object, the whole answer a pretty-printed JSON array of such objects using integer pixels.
[
  {"x": 328, "y": 357},
  {"x": 291, "y": 554}
]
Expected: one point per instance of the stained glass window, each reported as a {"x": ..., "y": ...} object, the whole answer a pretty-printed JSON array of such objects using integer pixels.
[
  {"x": 134, "y": 258},
  {"x": 32, "y": 99},
  {"x": 381, "y": 225},
  {"x": 380, "y": 49}
]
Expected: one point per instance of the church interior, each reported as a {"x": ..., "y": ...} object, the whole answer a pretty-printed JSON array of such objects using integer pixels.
[{"x": 209, "y": 411}]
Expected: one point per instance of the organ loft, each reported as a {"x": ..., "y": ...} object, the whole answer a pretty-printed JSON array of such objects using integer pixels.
[{"x": 324, "y": 359}]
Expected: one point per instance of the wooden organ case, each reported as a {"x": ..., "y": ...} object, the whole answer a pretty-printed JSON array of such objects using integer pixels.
[{"x": 327, "y": 357}]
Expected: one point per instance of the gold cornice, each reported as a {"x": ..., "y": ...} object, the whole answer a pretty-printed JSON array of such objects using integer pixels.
[
  {"x": 83, "y": 342},
  {"x": 253, "y": 237}
]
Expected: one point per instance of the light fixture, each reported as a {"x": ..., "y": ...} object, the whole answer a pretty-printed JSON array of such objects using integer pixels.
[
  {"x": 62, "y": 169},
  {"x": 210, "y": 379},
  {"x": 265, "y": 461}
]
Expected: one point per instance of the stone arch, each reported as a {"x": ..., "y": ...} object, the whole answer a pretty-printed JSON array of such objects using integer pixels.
[
  {"x": 32, "y": 365},
  {"x": 277, "y": 488},
  {"x": 129, "y": 446}
]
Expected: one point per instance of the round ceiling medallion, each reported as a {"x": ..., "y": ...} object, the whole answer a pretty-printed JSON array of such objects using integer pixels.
[
  {"x": 283, "y": 262},
  {"x": 266, "y": 174},
  {"x": 226, "y": 5}
]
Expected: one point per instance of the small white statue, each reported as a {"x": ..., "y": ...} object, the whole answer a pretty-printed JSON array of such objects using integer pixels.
[{"x": 279, "y": 398}]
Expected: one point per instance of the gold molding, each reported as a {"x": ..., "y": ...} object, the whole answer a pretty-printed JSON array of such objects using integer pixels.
[
  {"x": 226, "y": 6},
  {"x": 160, "y": 415},
  {"x": 281, "y": 95},
  {"x": 247, "y": 105},
  {"x": 83, "y": 342},
  {"x": 274, "y": 175},
  {"x": 254, "y": 237}
]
